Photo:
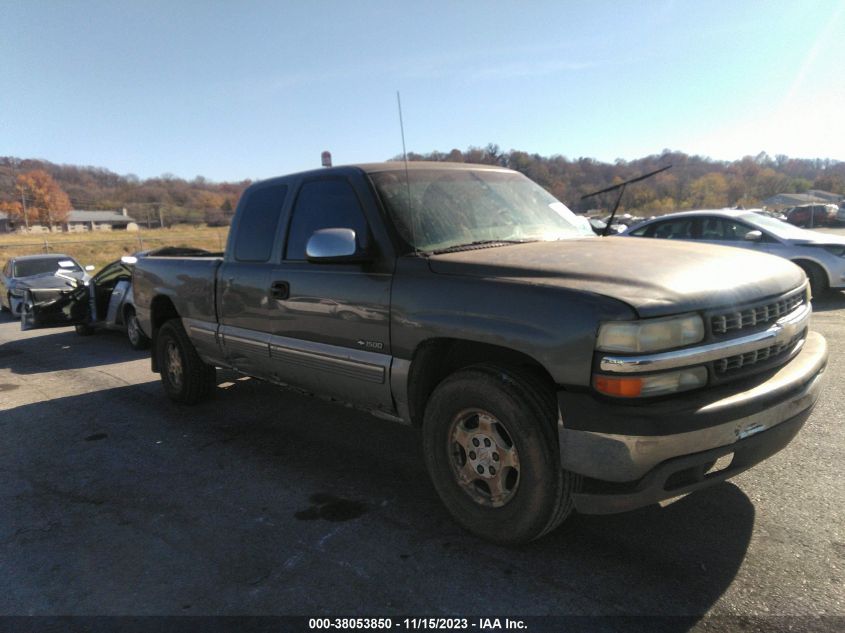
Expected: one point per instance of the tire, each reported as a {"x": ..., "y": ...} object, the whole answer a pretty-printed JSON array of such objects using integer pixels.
[
  {"x": 185, "y": 377},
  {"x": 83, "y": 330},
  {"x": 816, "y": 276},
  {"x": 484, "y": 416},
  {"x": 137, "y": 339}
]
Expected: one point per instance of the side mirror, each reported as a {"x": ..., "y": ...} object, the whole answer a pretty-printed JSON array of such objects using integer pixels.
[
  {"x": 335, "y": 246},
  {"x": 754, "y": 236}
]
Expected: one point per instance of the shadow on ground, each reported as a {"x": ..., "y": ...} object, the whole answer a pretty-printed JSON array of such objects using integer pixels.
[
  {"x": 52, "y": 350},
  {"x": 264, "y": 501},
  {"x": 831, "y": 300}
]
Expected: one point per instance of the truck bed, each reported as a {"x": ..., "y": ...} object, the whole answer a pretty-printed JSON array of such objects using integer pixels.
[{"x": 189, "y": 282}]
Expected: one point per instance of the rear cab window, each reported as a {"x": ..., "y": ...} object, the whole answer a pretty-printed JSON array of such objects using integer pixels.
[{"x": 257, "y": 224}]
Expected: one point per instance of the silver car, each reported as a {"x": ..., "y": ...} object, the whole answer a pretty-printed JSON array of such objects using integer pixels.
[{"x": 820, "y": 255}]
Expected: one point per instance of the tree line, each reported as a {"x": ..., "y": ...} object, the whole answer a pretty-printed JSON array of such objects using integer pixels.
[
  {"x": 47, "y": 191},
  {"x": 151, "y": 201},
  {"x": 694, "y": 182}
]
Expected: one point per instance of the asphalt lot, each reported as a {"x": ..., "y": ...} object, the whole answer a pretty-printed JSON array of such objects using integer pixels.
[{"x": 263, "y": 501}]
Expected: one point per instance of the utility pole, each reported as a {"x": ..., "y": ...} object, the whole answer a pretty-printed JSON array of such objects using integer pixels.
[{"x": 23, "y": 205}]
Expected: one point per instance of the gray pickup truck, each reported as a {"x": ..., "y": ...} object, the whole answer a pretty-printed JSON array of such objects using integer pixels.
[{"x": 549, "y": 370}]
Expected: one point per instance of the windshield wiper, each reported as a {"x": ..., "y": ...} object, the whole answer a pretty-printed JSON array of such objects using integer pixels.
[{"x": 479, "y": 244}]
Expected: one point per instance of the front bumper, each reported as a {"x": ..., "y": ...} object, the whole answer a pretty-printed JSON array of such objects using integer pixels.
[{"x": 667, "y": 440}]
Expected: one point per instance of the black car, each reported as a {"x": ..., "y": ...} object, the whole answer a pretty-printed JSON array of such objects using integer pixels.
[{"x": 106, "y": 302}]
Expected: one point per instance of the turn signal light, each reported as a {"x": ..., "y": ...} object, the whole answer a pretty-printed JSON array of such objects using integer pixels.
[
  {"x": 619, "y": 387},
  {"x": 650, "y": 384}
]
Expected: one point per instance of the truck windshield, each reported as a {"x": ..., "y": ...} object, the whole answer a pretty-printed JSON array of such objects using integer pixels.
[{"x": 438, "y": 209}]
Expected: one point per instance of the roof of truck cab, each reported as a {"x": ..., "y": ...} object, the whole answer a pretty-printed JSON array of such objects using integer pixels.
[
  {"x": 423, "y": 164},
  {"x": 372, "y": 168}
]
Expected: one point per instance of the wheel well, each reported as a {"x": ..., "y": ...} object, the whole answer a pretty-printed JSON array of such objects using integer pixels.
[
  {"x": 161, "y": 311},
  {"x": 435, "y": 359},
  {"x": 807, "y": 263}
]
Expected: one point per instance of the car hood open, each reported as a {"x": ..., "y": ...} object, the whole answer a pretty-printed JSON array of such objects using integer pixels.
[{"x": 655, "y": 277}]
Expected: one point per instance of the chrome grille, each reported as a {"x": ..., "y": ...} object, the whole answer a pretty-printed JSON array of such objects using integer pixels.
[
  {"x": 733, "y": 363},
  {"x": 755, "y": 315}
]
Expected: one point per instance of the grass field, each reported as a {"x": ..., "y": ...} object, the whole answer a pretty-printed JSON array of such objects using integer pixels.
[{"x": 101, "y": 247}]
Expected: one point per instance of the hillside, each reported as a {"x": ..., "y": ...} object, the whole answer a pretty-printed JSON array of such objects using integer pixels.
[{"x": 693, "y": 182}]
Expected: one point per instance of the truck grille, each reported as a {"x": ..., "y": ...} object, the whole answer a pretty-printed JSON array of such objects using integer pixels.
[
  {"x": 756, "y": 315},
  {"x": 733, "y": 363}
]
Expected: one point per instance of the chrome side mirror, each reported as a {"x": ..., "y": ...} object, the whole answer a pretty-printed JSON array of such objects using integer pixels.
[
  {"x": 336, "y": 245},
  {"x": 754, "y": 236}
]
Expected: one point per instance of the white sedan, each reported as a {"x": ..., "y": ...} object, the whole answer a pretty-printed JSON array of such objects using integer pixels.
[{"x": 820, "y": 255}]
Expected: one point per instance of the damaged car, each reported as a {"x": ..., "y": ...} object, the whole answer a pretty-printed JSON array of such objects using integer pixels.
[
  {"x": 54, "y": 273},
  {"x": 103, "y": 302}
]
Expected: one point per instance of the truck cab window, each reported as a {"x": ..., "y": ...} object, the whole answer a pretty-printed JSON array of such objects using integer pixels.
[
  {"x": 324, "y": 204},
  {"x": 257, "y": 224}
]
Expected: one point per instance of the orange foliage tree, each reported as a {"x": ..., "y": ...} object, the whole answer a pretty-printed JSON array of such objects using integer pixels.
[{"x": 45, "y": 200}]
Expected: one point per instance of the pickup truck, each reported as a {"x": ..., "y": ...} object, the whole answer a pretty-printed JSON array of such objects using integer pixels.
[{"x": 549, "y": 370}]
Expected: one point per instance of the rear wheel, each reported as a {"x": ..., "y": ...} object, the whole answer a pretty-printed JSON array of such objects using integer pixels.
[
  {"x": 490, "y": 443},
  {"x": 136, "y": 336},
  {"x": 184, "y": 376}
]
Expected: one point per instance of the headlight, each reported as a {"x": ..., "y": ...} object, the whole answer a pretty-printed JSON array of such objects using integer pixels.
[
  {"x": 650, "y": 335},
  {"x": 17, "y": 292},
  {"x": 651, "y": 384}
]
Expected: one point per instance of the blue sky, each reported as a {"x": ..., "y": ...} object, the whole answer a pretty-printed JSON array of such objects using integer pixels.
[{"x": 251, "y": 89}]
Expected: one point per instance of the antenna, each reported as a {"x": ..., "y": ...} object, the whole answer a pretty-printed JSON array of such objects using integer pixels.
[
  {"x": 407, "y": 177},
  {"x": 621, "y": 186}
]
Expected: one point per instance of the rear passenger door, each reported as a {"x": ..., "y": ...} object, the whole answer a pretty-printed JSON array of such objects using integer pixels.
[
  {"x": 243, "y": 305},
  {"x": 674, "y": 229},
  {"x": 330, "y": 326}
]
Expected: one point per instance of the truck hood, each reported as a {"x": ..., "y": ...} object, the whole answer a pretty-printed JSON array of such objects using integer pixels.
[{"x": 655, "y": 277}]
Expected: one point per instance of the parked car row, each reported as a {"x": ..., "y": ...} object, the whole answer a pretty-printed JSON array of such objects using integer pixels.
[{"x": 812, "y": 215}]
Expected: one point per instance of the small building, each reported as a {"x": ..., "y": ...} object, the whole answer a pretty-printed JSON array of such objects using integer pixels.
[
  {"x": 80, "y": 220},
  {"x": 7, "y": 225},
  {"x": 783, "y": 200},
  {"x": 827, "y": 196}
]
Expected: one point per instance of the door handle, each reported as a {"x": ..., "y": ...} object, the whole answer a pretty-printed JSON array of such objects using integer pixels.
[{"x": 280, "y": 290}]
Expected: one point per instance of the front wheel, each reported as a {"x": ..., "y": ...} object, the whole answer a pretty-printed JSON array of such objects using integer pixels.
[
  {"x": 816, "y": 276},
  {"x": 185, "y": 377},
  {"x": 490, "y": 444}
]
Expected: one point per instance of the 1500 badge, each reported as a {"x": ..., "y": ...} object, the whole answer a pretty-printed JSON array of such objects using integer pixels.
[{"x": 370, "y": 344}]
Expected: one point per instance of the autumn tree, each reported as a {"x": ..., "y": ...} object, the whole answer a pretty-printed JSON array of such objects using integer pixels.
[{"x": 43, "y": 197}]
